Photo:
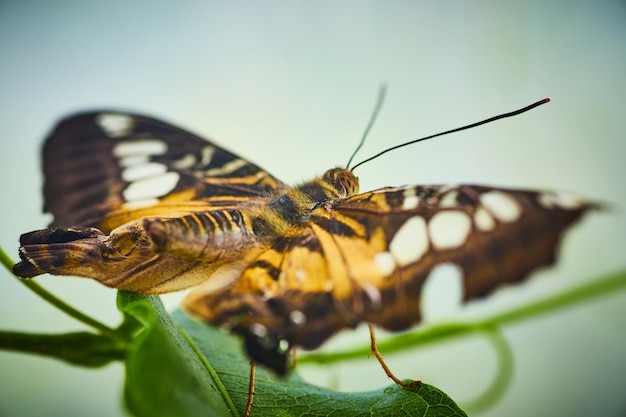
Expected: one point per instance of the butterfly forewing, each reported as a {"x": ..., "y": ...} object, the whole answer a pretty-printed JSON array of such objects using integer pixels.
[{"x": 106, "y": 168}]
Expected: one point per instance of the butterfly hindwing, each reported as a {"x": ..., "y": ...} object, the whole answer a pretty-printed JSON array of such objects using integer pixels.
[{"x": 106, "y": 168}]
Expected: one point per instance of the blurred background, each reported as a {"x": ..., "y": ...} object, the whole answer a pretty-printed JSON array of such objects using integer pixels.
[{"x": 291, "y": 85}]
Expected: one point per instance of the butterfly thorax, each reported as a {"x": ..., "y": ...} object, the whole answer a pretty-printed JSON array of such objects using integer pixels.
[{"x": 294, "y": 204}]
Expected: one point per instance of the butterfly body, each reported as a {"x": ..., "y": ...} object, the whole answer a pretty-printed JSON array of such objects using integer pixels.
[{"x": 283, "y": 266}]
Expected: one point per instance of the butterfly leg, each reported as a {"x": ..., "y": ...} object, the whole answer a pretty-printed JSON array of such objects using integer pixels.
[
  {"x": 379, "y": 356},
  {"x": 248, "y": 409}
]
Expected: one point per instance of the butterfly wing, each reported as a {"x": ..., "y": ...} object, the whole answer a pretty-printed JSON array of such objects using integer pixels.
[
  {"x": 349, "y": 260},
  {"x": 106, "y": 168},
  {"x": 366, "y": 259}
]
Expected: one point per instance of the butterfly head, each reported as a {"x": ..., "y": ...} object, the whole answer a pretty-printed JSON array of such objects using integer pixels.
[{"x": 343, "y": 180}]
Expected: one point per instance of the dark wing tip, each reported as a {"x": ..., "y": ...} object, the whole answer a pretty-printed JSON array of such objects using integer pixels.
[
  {"x": 25, "y": 269},
  {"x": 58, "y": 235},
  {"x": 42, "y": 251}
]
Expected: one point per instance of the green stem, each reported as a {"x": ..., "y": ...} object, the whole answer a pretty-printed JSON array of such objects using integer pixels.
[
  {"x": 62, "y": 305},
  {"x": 503, "y": 378},
  {"x": 78, "y": 348},
  {"x": 585, "y": 292}
]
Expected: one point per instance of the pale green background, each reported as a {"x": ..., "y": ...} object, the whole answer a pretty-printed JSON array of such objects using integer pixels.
[{"x": 290, "y": 85}]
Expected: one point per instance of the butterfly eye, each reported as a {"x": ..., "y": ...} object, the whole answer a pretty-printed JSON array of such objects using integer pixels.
[{"x": 343, "y": 180}]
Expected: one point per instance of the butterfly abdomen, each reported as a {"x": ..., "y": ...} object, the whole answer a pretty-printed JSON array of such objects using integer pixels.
[
  {"x": 145, "y": 255},
  {"x": 202, "y": 234}
]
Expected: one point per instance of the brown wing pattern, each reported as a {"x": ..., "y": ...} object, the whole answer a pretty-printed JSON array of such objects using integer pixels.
[
  {"x": 144, "y": 206},
  {"x": 367, "y": 257},
  {"x": 106, "y": 168}
]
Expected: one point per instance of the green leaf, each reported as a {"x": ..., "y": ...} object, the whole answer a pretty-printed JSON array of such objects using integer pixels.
[
  {"x": 165, "y": 376},
  {"x": 291, "y": 396},
  {"x": 78, "y": 348},
  {"x": 179, "y": 366}
]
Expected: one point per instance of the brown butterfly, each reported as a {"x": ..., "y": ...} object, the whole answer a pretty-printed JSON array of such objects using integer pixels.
[{"x": 142, "y": 206}]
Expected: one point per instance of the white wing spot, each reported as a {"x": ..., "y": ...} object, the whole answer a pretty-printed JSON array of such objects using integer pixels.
[
  {"x": 137, "y": 172},
  {"x": 385, "y": 263},
  {"x": 449, "y": 229},
  {"x": 501, "y": 205},
  {"x": 151, "y": 187},
  {"x": 142, "y": 147},
  {"x": 449, "y": 199},
  {"x": 410, "y": 203},
  {"x": 131, "y": 160},
  {"x": 411, "y": 200},
  {"x": 227, "y": 168},
  {"x": 409, "y": 192},
  {"x": 483, "y": 220},
  {"x": 115, "y": 125},
  {"x": 185, "y": 162},
  {"x": 147, "y": 202},
  {"x": 207, "y": 155},
  {"x": 410, "y": 242},
  {"x": 560, "y": 199},
  {"x": 297, "y": 317},
  {"x": 258, "y": 330},
  {"x": 372, "y": 293}
]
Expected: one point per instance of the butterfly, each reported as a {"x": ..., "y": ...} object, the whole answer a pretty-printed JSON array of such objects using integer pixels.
[{"x": 143, "y": 206}]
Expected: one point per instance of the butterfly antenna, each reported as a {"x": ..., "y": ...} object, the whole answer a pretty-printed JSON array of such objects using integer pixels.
[
  {"x": 379, "y": 103},
  {"x": 458, "y": 129}
]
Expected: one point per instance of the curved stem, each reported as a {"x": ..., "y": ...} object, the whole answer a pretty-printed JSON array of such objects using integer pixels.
[
  {"x": 503, "y": 378},
  {"x": 62, "y": 305}
]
